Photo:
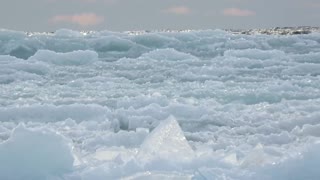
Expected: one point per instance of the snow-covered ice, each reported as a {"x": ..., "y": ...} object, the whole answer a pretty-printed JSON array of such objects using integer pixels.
[{"x": 207, "y": 104}]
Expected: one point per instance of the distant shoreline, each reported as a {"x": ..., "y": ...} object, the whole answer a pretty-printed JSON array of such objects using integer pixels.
[
  {"x": 278, "y": 30},
  {"x": 254, "y": 31}
]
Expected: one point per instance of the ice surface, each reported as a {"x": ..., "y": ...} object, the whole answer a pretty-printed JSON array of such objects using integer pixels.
[{"x": 164, "y": 105}]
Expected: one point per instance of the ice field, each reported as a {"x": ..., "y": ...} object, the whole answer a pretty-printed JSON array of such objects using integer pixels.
[{"x": 196, "y": 105}]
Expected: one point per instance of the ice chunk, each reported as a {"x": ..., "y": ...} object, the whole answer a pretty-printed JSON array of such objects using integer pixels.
[
  {"x": 75, "y": 58},
  {"x": 22, "y": 51},
  {"x": 166, "y": 141},
  {"x": 169, "y": 55},
  {"x": 34, "y": 154},
  {"x": 255, "y": 54}
]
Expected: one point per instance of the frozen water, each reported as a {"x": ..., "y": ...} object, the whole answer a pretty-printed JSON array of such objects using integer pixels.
[{"x": 160, "y": 105}]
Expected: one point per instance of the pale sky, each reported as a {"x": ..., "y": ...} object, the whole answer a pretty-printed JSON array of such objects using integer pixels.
[{"x": 123, "y": 15}]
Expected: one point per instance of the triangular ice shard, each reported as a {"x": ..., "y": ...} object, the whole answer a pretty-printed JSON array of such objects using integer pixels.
[{"x": 166, "y": 141}]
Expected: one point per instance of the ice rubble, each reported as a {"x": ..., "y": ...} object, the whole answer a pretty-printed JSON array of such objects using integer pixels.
[
  {"x": 164, "y": 148},
  {"x": 168, "y": 55},
  {"x": 246, "y": 104},
  {"x": 165, "y": 153}
]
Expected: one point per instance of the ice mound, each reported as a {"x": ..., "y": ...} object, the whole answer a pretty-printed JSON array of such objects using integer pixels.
[
  {"x": 34, "y": 154},
  {"x": 74, "y": 58},
  {"x": 14, "y": 69},
  {"x": 11, "y": 64},
  {"x": 167, "y": 142},
  {"x": 22, "y": 51}
]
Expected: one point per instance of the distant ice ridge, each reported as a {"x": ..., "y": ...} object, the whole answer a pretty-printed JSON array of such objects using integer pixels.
[{"x": 208, "y": 104}]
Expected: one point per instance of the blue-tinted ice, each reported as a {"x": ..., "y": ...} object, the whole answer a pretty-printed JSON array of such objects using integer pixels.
[{"x": 161, "y": 105}]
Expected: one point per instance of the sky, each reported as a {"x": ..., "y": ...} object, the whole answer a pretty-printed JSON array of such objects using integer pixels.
[{"x": 125, "y": 15}]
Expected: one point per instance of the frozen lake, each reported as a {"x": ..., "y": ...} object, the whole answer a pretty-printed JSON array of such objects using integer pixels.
[{"x": 196, "y": 105}]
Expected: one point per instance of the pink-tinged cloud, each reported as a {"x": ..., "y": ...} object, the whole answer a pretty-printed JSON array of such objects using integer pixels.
[
  {"x": 85, "y": 19},
  {"x": 180, "y": 10},
  {"x": 237, "y": 12}
]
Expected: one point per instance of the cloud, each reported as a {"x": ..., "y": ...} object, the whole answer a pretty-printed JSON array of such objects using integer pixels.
[
  {"x": 237, "y": 12},
  {"x": 180, "y": 10},
  {"x": 85, "y": 19}
]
